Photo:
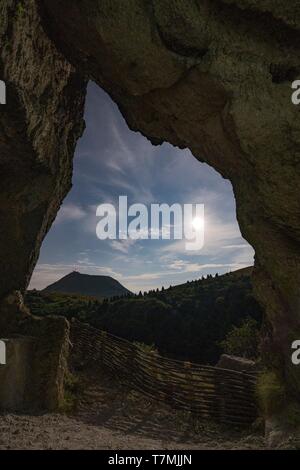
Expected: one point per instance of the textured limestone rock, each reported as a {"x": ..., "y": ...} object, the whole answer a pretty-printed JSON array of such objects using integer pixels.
[
  {"x": 39, "y": 127},
  {"x": 210, "y": 75},
  {"x": 50, "y": 361},
  {"x": 37, "y": 357},
  {"x": 15, "y": 373}
]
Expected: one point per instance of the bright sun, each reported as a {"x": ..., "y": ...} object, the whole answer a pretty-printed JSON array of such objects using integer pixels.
[{"x": 198, "y": 223}]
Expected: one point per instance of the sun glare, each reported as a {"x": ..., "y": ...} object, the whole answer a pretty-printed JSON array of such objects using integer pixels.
[{"x": 198, "y": 223}]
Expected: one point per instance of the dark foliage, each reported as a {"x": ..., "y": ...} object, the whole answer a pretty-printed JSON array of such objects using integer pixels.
[{"x": 187, "y": 322}]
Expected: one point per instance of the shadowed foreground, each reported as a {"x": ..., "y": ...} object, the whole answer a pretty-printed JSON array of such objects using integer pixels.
[{"x": 110, "y": 416}]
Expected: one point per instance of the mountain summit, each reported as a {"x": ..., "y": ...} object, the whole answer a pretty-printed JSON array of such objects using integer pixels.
[{"x": 88, "y": 285}]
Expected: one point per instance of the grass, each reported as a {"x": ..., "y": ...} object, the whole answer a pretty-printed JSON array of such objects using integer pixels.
[
  {"x": 270, "y": 392},
  {"x": 73, "y": 389}
]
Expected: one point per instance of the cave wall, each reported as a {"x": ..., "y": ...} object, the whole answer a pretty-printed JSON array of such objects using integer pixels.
[
  {"x": 39, "y": 127},
  {"x": 14, "y": 374},
  {"x": 37, "y": 356},
  {"x": 213, "y": 76},
  {"x": 34, "y": 374}
]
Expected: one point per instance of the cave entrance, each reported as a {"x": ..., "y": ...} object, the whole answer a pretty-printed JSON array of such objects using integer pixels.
[{"x": 112, "y": 161}]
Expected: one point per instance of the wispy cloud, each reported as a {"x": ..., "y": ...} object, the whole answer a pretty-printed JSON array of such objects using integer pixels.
[
  {"x": 122, "y": 245},
  {"x": 70, "y": 212},
  {"x": 236, "y": 247}
]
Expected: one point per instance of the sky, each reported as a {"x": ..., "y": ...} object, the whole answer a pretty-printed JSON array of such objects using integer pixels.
[{"x": 112, "y": 161}]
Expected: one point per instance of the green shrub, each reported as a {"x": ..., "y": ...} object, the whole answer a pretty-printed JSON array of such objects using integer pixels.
[
  {"x": 72, "y": 390},
  {"x": 270, "y": 392},
  {"x": 242, "y": 340}
]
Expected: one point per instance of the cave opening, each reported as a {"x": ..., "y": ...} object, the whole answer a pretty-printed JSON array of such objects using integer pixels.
[{"x": 112, "y": 163}]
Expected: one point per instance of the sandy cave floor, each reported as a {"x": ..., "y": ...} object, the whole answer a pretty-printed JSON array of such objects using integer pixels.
[{"x": 110, "y": 416}]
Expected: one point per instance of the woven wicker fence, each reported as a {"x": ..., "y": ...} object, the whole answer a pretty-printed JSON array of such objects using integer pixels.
[{"x": 227, "y": 396}]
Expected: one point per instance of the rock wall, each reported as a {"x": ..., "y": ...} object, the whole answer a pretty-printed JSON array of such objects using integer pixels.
[
  {"x": 15, "y": 373},
  {"x": 210, "y": 75},
  {"x": 39, "y": 127},
  {"x": 37, "y": 357}
]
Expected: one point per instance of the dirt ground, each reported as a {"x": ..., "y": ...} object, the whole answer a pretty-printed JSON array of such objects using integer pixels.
[{"x": 110, "y": 416}]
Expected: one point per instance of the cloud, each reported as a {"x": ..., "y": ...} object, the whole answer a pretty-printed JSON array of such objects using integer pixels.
[
  {"x": 187, "y": 267},
  {"x": 122, "y": 245},
  {"x": 236, "y": 247},
  {"x": 243, "y": 258},
  {"x": 217, "y": 235},
  {"x": 70, "y": 212}
]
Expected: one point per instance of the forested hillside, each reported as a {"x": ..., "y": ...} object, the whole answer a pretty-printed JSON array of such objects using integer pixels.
[{"x": 187, "y": 322}]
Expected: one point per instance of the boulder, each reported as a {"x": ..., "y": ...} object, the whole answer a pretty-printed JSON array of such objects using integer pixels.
[{"x": 240, "y": 364}]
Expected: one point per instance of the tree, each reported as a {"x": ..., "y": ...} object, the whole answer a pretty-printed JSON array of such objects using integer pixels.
[{"x": 242, "y": 340}]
